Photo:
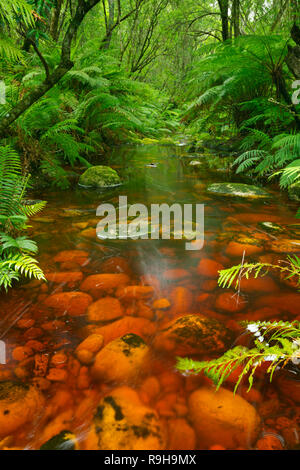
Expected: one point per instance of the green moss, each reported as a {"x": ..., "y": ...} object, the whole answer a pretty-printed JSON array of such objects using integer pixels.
[
  {"x": 99, "y": 177},
  {"x": 12, "y": 391},
  {"x": 237, "y": 189}
]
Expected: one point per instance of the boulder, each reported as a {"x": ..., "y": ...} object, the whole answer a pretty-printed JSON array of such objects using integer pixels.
[
  {"x": 193, "y": 334},
  {"x": 72, "y": 303},
  {"x": 120, "y": 360},
  {"x": 99, "y": 283},
  {"x": 237, "y": 189},
  {"x": 222, "y": 417},
  {"x": 122, "y": 422},
  {"x": 105, "y": 309},
  {"x": 19, "y": 404},
  {"x": 209, "y": 268},
  {"x": 139, "y": 326},
  {"x": 285, "y": 246},
  {"x": 99, "y": 176}
]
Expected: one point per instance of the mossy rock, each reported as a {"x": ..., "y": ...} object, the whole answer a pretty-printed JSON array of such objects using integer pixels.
[
  {"x": 238, "y": 190},
  {"x": 294, "y": 192},
  {"x": 271, "y": 227},
  {"x": 65, "y": 440},
  {"x": 99, "y": 177}
]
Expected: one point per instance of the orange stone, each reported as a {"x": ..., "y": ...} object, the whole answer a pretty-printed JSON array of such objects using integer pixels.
[
  {"x": 21, "y": 352},
  {"x": 175, "y": 274},
  {"x": 92, "y": 343},
  {"x": 181, "y": 435},
  {"x": 235, "y": 249},
  {"x": 69, "y": 278},
  {"x": 99, "y": 283},
  {"x": 77, "y": 256},
  {"x": 289, "y": 303},
  {"x": 72, "y": 303},
  {"x": 260, "y": 284},
  {"x": 105, "y": 309},
  {"x": 161, "y": 304},
  {"x": 181, "y": 300},
  {"x": 135, "y": 292},
  {"x": 126, "y": 325},
  {"x": 230, "y": 302},
  {"x": 209, "y": 268}
]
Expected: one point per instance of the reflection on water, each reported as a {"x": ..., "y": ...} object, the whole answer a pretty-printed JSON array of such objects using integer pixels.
[{"x": 143, "y": 288}]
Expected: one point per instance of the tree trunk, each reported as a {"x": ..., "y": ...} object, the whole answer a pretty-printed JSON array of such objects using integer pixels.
[
  {"x": 55, "y": 19},
  {"x": 293, "y": 56},
  {"x": 224, "y": 7},
  {"x": 236, "y": 17},
  {"x": 83, "y": 7}
]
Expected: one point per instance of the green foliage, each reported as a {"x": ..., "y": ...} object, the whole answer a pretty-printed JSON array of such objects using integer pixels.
[
  {"x": 15, "y": 250},
  {"x": 275, "y": 343},
  {"x": 233, "y": 275}
]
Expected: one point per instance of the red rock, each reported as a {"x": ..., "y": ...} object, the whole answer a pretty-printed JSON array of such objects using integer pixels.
[
  {"x": 192, "y": 335},
  {"x": 175, "y": 274},
  {"x": 209, "y": 285},
  {"x": 230, "y": 302},
  {"x": 77, "y": 256},
  {"x": 135, "y": 292},
  {"x": 209, "y": 268},
  {"x": 115, "y": 265},
  {"x": 21, "y": 352},
  {"x": 289, "y": 303},
  {"x": 260, "y": 284},
  {"x": 72, "y": 303},
  {"x": 69, "y": 278},
  {"x": 100, "y": 283},
  {"x": 181, "y": 435},
  {"x": 238, "y": 249},
  {"x": 269, "y": 442},
  {"x": 105, "y": 309},
  {"x": 126, "y": 325},
  {"x": 262, "y": 314}
]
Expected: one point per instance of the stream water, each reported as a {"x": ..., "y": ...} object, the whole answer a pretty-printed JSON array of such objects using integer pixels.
[{"x": 41, "y": 336}]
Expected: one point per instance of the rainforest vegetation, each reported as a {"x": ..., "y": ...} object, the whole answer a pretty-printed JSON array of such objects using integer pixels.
[{"x": 82, "y": 78}]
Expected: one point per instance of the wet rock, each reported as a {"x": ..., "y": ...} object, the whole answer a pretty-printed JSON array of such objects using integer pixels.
[
  {"x": 92, "y": 343},
  {"x": 269, "y": 442},
  {"x": 236, "y": 249},
  {"x": 237, "y": 189},
  {"x": 116, "y": 264},
  {"x": 135, "y": 292},
  {"x": 77, "y": 256},
  {"x": 294, "y": 192},
  {"x": 288, "y": 303},
  {"x": 285, "y": 246},
  {"x": 288, "y": 385},
  {"x": 121, "y": 360},
  {"x": 181, "y": 435},
  {"x": 99, "y": 283},
  {"x": 69, "y": 278},
  {"x": 65, "y": 440},
  {"x": 271, "y": 227},
  {"x": 261, "y": 284},
  {"x": 72, "y": 303},
  {"x": 105, "y": 309},
  {"x": 122, "y": 422},
  {"x": 181, "y": 300},
  {"x": 99, "y": 176},
  {"x": 175, "y": 274},
  {"x": 19, "y": 404},
  {"x": 222, "y": 416},
  {"x": 230, "y": 302},
  {"x": 209, "y": 268},
  {"x": 161, "y": 304},
  {"x": 193, "y": 334},
  {"x": 139, "y": 326}
]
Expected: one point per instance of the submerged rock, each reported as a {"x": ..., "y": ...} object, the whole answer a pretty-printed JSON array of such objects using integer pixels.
[
  {"x": 72, "y": 303},
  {"x": 65, "y": 440},
  {"x": 19, "y": 404},
  {"x": 99, "y": 176},
  {"x": 193, "y": 334},
  {"x": 105, "y": 309},
  {"x": 285, "y": 246},
  {"x": 122, "y": 422},
  {"x": 237, "y": 189},
  {"x": 121, "y": 359},
  {"x": 224, "y": 418}
]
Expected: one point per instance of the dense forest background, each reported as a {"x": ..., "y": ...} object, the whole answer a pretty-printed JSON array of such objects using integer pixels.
[{"x": 79, "y": 76}]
